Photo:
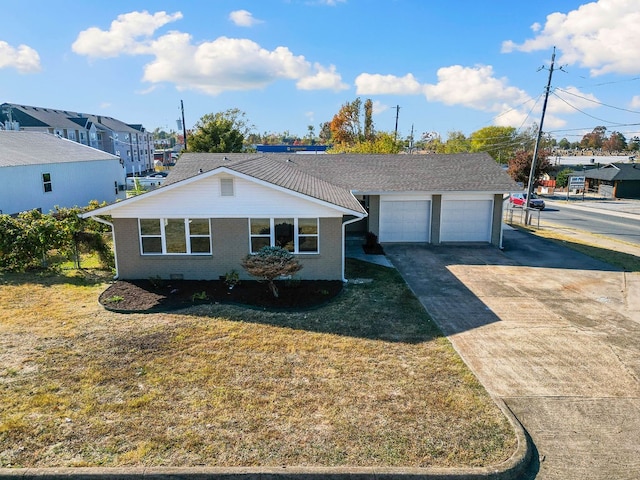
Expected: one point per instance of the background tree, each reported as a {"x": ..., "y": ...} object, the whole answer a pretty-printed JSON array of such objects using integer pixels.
[
  {"x": 345, "y": 125},
  {"x": 520, "y": 165},
  {"x": 270, "y": 263},
  {"x": 383, "y": 142},
  {"x": 634, "y": 144},
  {"x": 562, "y": 178},
  {"x": 325, "y": 133},
  {"x": 499, "y": 142},
  {"x": 594, "y": 139},
  {"x": 457, "y": 142},
  {"x": 368, "y": 120},
  {"x": 615, "y": 143},
  {"x": 564, "y": 144},
  {"x": 222, "y": 132}
]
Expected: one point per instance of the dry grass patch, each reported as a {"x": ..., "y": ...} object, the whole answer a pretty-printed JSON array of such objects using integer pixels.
[{"x": 367, "y": 380}]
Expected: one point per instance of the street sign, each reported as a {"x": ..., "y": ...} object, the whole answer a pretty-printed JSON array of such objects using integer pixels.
[{"x": 576, "y": 182}]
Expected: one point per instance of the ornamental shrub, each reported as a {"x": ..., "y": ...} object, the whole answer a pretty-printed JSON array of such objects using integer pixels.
[{"x": 270, "y": 263}]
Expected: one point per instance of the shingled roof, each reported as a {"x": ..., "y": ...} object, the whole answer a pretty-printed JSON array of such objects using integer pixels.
[
  {"x": 38, "y": 148},
  {"x": 268, "y": 169},
  {"x": 464, "y": 172},
  {"x": 615, "y": 171}
]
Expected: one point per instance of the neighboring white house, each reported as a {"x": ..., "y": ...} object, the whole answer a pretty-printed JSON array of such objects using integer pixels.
[
  {"x": 131, "y": 142},
  {"x": 41, "y": 171}
]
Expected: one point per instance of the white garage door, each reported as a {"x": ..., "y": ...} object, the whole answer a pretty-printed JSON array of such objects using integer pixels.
[
  {"x": 404, "y": 221},
  {"x": 466, "y": 220}
]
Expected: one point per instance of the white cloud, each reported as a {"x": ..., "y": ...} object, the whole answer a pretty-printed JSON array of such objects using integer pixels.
[
  {"x": 376, "y": 84},
  {"x": 243, "y": 18},
  {"x": 323, "y": 79},
  {"x": 379, "y": 107},
  {"x": 474, "y": 87},
  {"x": 600, "y": 36},
  {"x": 124, "y": 36},
  {"x": 230, "y": 64},
  {"x": 24, "y": 58},
  {"x": 570, "y": 100},
  {"x": 211, "y": 67},
  {"x": 635, "y": 102}
]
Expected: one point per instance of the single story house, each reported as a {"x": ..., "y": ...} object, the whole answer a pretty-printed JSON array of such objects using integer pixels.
[
  {"x": 214, "y": 209},
  {"x": 41, "y": 171},
  {"x": 615, "y": 180}
]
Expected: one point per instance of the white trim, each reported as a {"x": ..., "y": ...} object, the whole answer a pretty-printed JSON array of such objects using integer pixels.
[
  {"x": 296, "y": 235},
  {"x": 163, "y": 238},
  {"x": 113, "y": 241}
]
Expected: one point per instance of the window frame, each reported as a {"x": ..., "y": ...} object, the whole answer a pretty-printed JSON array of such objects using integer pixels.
[
  {"x": 47, "y": 185},
  {"x": 296, "y": 233},
  {"x": 188, "y": 237}
]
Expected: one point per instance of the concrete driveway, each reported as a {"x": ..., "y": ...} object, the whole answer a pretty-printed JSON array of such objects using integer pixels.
[{"x": 553, "y": 333}]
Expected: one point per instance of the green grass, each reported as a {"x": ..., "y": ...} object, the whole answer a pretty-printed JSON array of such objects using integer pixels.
[{"x": 366, "y": 380}]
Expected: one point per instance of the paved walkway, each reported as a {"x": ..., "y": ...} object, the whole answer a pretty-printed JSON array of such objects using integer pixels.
[{"x": 551, "y": 332}]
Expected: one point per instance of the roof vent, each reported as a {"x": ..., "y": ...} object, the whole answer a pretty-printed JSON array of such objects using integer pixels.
[
  {"x": 200, "y": 171},
  {"x": 225, "y": 159}
]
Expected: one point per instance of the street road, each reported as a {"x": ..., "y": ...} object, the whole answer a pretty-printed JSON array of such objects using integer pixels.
[{"x": 598, "y": 222}]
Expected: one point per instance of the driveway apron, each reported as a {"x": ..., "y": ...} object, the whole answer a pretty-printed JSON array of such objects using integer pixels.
[{"x": 553, "y": 333}]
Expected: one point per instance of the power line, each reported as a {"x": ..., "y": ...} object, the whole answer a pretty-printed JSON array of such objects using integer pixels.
[
  {"x": 585, "y": 113},
  {"x": 594, "y": 101}
]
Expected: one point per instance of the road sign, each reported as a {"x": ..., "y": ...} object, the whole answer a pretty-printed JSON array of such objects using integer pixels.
[{"x": 576, "y": 182}]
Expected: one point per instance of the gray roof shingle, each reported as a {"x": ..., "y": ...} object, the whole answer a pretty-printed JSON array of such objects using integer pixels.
[
  {"x": 268, "y": 169},
  {"x": 615, "y": 171},
  {"x": 38, "y": 148},
  {"x": 468, "y": 172}
]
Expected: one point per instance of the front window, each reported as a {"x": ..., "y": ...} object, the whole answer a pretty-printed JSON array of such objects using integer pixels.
[
  {"x": 297, "y": 235},
  {"x": 175, "y": 236}
]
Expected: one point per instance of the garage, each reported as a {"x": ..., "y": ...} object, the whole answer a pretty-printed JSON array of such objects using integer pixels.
[
  {"x": 466, "y": 220},
  {"x": 403, "y": 220}
]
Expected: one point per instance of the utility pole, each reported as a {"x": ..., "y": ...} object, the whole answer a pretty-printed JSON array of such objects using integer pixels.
[
  {"x": 184, "y": 126},
  {"x": 395, "y": 135},
  {"x": 527, "y": 216},
  {"x": 411, "y": 140}
]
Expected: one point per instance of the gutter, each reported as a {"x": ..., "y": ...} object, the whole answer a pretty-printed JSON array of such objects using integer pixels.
[
  {"x": 113, "y": 239},
  {"x": 344, "y": 247}
]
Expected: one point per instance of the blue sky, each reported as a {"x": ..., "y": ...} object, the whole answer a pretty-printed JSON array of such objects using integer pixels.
[{"x": 458, "y": 65}]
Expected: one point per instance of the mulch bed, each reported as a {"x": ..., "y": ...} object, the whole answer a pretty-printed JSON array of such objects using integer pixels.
[{"x": 157, "y": 296}]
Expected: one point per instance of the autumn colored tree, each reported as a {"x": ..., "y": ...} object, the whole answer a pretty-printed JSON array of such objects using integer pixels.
[
  {"x": 595, "y": 139},
  {"x": 345, "y": 125},
  {"x": 615, "y": 143},
  {"x": 520, "y": 165}
]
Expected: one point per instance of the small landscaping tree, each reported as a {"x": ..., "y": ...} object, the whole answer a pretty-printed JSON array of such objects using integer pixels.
[{"x": 270, "y": 263}]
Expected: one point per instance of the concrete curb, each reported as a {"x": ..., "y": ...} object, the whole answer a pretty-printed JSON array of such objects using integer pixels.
[{"x": 514, "y": 468}]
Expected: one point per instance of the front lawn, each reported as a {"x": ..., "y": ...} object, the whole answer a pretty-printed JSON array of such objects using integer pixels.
[{"x": 365, "y": 380}]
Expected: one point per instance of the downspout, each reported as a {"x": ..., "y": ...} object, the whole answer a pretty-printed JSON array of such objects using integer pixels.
[
  {"x": 344, "y": 246},
  {"x": 502, "y": 223},
  {"x": 113, "y": 239}
]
